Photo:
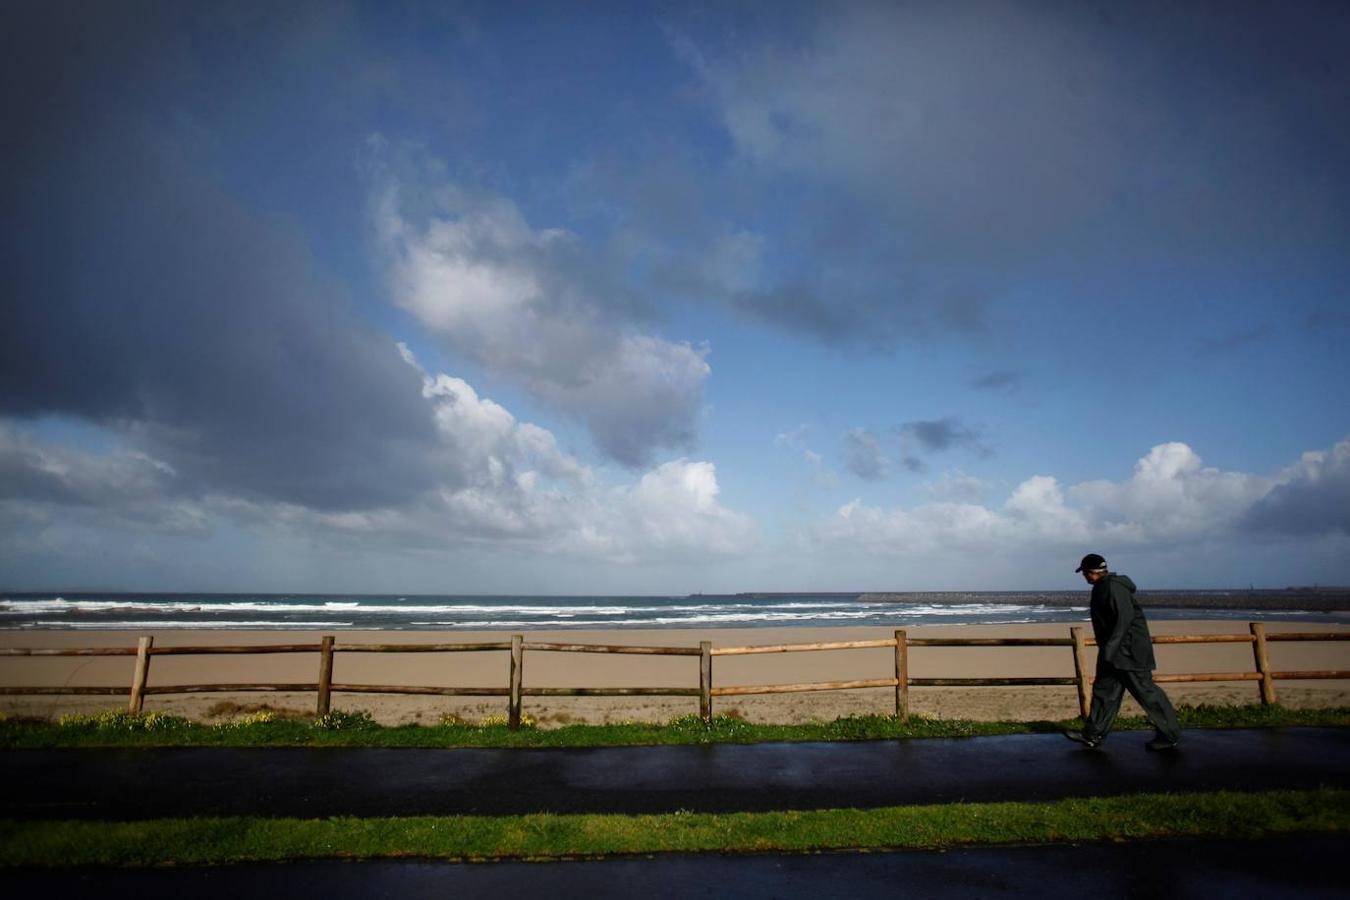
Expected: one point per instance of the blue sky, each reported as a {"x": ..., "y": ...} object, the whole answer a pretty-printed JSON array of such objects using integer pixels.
[{"x": 663, "y": 298}]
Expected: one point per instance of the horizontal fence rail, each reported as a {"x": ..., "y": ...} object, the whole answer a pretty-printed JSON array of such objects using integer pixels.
[
  {"x": 613, "y": 648},
  {"x": 900, "y": 680},
  {"x": 991, "y": 642},
  {"x": 421, "y": 648},
  {"x": 794, "y": 648},
  {"x": 69, "y": 651}
]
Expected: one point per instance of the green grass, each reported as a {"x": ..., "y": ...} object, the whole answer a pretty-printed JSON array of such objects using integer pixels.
[
  {"x": 537, "y": 837},
  {"x": 355, "y": 729}
]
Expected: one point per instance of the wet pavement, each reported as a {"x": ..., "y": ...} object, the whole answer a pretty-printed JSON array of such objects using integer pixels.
[
  {"x": 308, "y": 782},
  {"x": 1303, "y": 866}
]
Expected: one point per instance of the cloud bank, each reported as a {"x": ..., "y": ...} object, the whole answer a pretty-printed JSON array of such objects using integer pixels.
[
  {"x": 929, "y": 152},
  {"x": 1309, "y": 498},
  {"x": 501, "y": 484},
  {"x": 1171, "y": 500},
  {"x": 192, "y": 327}
]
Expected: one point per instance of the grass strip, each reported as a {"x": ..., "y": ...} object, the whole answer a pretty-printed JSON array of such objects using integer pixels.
[
  {"x": 357, "y": 729},
  {"x": 216, "y": 841}
]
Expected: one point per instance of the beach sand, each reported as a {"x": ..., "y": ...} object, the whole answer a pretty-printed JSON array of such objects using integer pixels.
[{"x": 553, "y": 669}]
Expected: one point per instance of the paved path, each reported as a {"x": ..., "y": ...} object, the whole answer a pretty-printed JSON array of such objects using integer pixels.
[
  {"x": 1305, "y": 866},
  {"x": 138, "y": 784}
]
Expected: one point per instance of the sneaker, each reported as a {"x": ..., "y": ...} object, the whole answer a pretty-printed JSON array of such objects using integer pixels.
[
  {"x": 1092, "y": 743},
  {"x": 1160, "y": 743}
]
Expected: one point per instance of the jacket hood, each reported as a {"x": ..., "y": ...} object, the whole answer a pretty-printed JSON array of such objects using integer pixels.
[{"x": 1125, "y": 580}]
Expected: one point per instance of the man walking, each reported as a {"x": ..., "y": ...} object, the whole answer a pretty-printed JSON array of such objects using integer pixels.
[{"x": 1124, "y": 660}]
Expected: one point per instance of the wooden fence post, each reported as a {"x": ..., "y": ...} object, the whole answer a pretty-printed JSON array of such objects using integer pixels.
[
  {"x": 517, "y": 664},
  {"x": 1080, "y": 670},
  {"x": 325, "y": 674},
  {"x": 901, "y": 676},
  {"x": 140, "y": 675},
  {"x": 705, "y": 681},
  {"x": 1259, "y": 651}
]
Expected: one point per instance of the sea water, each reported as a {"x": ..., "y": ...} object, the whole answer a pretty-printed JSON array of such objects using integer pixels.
[{"x": 518, "y": 613}]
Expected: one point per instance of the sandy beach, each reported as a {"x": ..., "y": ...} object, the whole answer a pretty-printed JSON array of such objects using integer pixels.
[{"x": 553, "y": 669}]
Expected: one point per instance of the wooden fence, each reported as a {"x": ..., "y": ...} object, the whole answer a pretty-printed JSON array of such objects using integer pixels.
[{"x": 900, "y": 680}]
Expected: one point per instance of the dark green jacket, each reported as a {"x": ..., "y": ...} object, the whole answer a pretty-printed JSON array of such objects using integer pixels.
[{"x": 1119, "y": 626}]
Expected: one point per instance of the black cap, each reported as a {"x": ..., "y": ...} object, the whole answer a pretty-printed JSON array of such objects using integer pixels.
[{"x": 1091, "y": 563}]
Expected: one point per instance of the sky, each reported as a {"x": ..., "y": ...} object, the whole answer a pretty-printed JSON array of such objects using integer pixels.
[{"x": 663, "y": 298}]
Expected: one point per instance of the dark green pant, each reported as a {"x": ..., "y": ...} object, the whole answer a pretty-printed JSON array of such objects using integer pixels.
[{"x": 1109, "y": 689}]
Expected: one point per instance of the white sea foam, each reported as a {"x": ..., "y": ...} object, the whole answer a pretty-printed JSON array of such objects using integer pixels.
[
  {"x": 179, "y": 623},
  {"x": 137, "y": 605},
  {"x": 1011, "y": 615},
  {"x": 187, "y": 611},
  {"x": 59, "y": 605}
]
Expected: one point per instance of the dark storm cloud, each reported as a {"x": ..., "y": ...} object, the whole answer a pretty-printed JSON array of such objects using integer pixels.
[
  {"x": 40, "y": 483},
  {"x": 44, "y": 474},
  {"x": 140, "y": 295},
  {"x": 929, "y": 151},
  {"x": 1314, "y": 500}
]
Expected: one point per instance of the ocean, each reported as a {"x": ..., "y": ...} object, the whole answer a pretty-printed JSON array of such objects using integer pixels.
[{"x": 311, "y": 612}]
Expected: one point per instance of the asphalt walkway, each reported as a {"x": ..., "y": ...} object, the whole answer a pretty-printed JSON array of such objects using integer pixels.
[
  {"x": 1301, "y": 866},
  {"x": 308, "y": 782}
]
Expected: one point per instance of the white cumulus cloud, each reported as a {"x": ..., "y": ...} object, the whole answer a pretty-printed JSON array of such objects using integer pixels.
[
  {"x": 501, "y": 484},
  {"x": 530, "y": 305},
  {"x": 1172, "y": 494},
  {"x": 1172, "y": 499},
  {"x": 507, "y": 484}
]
